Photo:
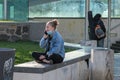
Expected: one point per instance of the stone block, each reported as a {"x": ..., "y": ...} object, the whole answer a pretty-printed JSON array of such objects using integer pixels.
[
  {"x": 4, "y": 37},
  {"x": 25, "y": 36},
  {"x": 18, "y": 30},
  {"x": 10, "y": 31},
  {"x": 25, "y": 29},
  {"x": 13, "y": 38}
]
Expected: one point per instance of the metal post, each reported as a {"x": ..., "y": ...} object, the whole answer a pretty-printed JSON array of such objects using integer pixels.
[
  {"x": 5, "y": 9},
  {"x": 114, "y": 8},
  {"x": 87, "y": 2},
  {"x": 109, "y": 24}
]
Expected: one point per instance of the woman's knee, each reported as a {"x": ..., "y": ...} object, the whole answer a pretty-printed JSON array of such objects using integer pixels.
[
  {"x": 34, "y": 54},
  {"x": 56, "y": 58}
]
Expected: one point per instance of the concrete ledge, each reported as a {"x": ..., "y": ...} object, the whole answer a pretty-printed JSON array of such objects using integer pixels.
[
  {"x": 72, "y": 45},
  {"x": 78, "y": 65},
  {"x": 70, "y": 58}
]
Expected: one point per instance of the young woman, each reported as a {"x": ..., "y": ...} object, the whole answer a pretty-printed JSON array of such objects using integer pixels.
[{"x": 53, "y": 42}]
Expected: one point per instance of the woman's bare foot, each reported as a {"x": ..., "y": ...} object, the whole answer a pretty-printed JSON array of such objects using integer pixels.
[
  {"x": 42, "y": 57},
  {"x": 47, "y": 61}
]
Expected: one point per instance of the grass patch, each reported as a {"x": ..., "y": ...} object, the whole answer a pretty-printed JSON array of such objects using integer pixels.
[{"x": 24, "y": 49}]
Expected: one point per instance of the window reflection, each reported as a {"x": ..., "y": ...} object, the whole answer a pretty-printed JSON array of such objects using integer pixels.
[
  {"x": 16, "y": 10},
  {"x": 99, "y": 6},
  {"x": 115, "y": 8},
  {"x": 64, "y": 8},
  {"x": 72, "y": 8},
  {"x": 1, "y": 10}
]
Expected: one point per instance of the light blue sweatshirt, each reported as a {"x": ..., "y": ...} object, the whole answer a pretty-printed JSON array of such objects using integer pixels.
[{"x": 56, "y": 44}]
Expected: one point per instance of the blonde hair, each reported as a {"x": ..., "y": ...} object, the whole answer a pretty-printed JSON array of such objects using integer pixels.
[{"x": 54, "y": 23}]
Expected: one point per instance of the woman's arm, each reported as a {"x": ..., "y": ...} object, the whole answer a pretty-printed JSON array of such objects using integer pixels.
[
  {"x": 43, "y": 43},
  {"x": 56, "y": 46}
]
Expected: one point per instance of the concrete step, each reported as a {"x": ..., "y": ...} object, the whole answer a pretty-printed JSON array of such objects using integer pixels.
[
  {"x": 118, "y": 42},
  {"x": 116, "y": 49},
  {"x": 117, "y": 45}
]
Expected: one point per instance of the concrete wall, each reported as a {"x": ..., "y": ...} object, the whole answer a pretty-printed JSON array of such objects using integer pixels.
[
  {"x": 74, "y": 67},
  {"x": 72, "y": 30},
  {"x": 76, "y": 71},
  {"x": 36, "y": 31},
  {"x": 115, "y": 33}
]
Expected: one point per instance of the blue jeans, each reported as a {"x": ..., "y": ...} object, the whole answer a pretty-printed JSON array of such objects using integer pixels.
[{"x": 100, "y": 43}]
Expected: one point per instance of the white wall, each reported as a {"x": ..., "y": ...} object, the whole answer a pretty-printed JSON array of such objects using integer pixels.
[{"x": 72, "y": 30}]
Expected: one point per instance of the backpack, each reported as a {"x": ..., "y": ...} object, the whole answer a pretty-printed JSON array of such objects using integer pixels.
[{"x": 99, "y": 32}]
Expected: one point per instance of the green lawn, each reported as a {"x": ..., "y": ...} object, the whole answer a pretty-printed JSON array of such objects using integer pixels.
[{"x": 23, "y": 49}]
